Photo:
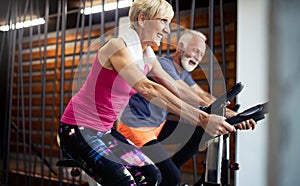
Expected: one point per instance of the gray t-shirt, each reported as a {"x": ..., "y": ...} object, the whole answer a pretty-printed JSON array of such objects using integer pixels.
[{"x": 140, "y": 113}]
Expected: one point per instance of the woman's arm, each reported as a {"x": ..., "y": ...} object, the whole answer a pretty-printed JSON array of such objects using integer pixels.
[
  {"x": 121, "y": 61},
  {"x": 208, "y": 98},
  {"x": 160, "y": 96}
]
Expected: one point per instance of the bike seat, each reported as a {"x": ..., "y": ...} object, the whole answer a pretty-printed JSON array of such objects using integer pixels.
[{"x": 67, "y": 163}]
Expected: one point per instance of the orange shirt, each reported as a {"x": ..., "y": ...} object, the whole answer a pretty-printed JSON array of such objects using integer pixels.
[{"x": 139, "y": 135}]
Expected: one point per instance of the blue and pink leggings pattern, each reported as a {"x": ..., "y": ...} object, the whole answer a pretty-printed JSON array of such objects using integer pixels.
[{"x": 108, "y": 158}]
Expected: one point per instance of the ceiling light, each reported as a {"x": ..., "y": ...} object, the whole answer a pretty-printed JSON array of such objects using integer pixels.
[
  {"x": 24, "y": 24},
  {"x": 107, "y": 7}
]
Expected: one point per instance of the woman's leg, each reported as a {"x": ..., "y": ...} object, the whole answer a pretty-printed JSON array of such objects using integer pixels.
[
  {"x": 141, "y": 167},
  {"x": 101, "y": 157}
]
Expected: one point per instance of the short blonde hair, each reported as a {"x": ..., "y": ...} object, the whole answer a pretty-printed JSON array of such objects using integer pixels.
[
  {"x": 187, "y": 36},
  {"x": 151, "y": 9}
]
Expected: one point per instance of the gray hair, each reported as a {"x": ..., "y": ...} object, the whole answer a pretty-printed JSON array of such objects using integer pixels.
[{"x": 187, "y": 36}]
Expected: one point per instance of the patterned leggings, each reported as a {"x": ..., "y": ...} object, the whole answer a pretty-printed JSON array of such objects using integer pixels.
[{"x": 108, "y": 158}]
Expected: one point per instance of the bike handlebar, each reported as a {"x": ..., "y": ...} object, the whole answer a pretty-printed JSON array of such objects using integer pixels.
[
  {"x": 256, "y": 113},
  {"x": 220, "y": 103}
]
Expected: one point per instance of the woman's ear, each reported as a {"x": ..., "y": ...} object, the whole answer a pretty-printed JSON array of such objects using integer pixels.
[{"x": 141, "y": 20}]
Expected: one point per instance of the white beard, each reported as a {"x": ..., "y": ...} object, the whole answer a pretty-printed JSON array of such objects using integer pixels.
[{"x": 185, "y": 63}]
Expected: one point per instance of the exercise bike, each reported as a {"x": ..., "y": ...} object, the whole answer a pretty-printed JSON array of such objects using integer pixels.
[{"x": 217, "y": 165}]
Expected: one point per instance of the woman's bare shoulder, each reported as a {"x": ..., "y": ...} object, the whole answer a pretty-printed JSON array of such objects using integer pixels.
[
  {"x": 110, "y": 48},
  {"x": 113, "y": 45}
]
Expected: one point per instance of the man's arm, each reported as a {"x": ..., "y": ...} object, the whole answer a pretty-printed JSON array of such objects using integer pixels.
[
  {"x": 178, "y": 87},
  {"x": 193, "y": 95},
  {"x": 208, "y": 98}
]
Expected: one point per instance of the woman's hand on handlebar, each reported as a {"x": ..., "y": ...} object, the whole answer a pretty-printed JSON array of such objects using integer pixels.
[{"x": 216, "y": 125}]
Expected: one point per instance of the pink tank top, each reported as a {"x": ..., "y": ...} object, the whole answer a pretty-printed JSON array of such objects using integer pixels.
[{"x": 98, "y": 103}]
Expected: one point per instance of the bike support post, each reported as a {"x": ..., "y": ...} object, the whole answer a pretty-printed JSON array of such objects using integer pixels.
[
  {"x": 217, "y": 159},
  {"x": 226, "y": 166},
  {"x": 214, "y": 162}
]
